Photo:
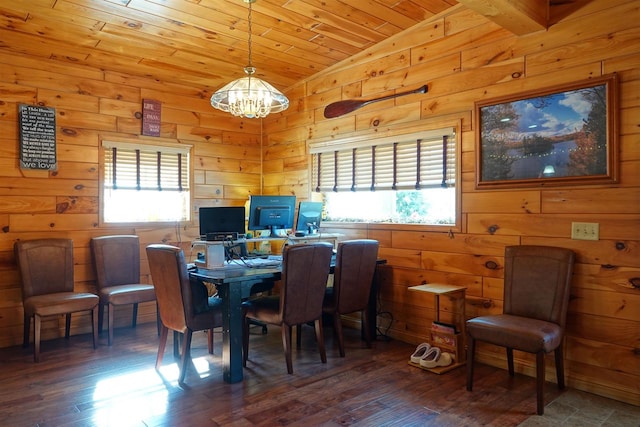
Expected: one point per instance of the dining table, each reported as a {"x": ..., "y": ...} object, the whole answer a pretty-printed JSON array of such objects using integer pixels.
[{"x": 237, "y": 281}]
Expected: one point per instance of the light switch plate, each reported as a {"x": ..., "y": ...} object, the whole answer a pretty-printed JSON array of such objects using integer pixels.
[{"x": 585, "y": 231}]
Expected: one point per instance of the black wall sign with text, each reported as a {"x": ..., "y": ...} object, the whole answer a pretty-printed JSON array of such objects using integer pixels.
[{"x": 37, "y": 137}]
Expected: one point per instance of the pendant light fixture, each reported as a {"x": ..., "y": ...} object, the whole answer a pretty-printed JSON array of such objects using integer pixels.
[{"x": 249, "y": 96}]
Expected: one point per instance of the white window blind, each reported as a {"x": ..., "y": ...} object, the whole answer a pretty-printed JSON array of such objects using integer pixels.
[
  {"x": 142, "y": 167},
  {"x": 404, "y": 163},
  {"x": 145, "y": 183}
]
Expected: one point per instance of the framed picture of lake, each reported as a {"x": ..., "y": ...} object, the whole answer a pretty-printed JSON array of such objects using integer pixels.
[{"x": 557, "y": 136}]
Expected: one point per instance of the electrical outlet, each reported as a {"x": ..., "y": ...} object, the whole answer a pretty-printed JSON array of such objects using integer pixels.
[{"x": 585, "y": 231}]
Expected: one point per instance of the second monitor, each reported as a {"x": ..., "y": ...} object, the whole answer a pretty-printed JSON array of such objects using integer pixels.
[
  {"x": 309, "y": 217},
  {"x": 271, "y": 213}
]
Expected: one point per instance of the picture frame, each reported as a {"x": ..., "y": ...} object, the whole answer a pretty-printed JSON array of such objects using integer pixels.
[{"x": 559, "y": 136}]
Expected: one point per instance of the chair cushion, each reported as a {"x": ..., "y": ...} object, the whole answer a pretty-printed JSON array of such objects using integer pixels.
[
  {"x": 520, "y": 333},
  {"x": 266, "y": 309},
  {"x": 59, "y": 303},
  {"x": 127, "y": 294}
]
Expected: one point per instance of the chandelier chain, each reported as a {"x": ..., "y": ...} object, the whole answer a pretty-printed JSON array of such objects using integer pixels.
[{"x": 250, "y": 31}]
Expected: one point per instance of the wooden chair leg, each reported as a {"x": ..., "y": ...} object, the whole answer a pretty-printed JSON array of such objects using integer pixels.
[
  {"x": 367, "y": 330},
  {"x": 471, "y": 349},
  {"x": 510, "y": 361},
  {"x": 320, "y": 339},
  {"x": 337, "y": 327},
  {"x": 245, "y": 341},
  {"x": 100, "y": 317},
  {"x": 134, "y": 316},
  {"x": 94, "y": 325},
  {"x": 185, "y": 360},
  {"x": 540, "y": 382},
  {"x": 67, "y": 325},
  {"x": 286, "y": 344},
  {"x": 158, "y": 319},
  {"x": 162, "y": 344},
  {"x": 559, "y": 355},
  {"x": 110, "y": 323},
  {"x": 36, "y": 338},
  {"x": 245, "y": 338},
  {"x": 27, "y": 329},
  {"x": 176, "y": 344},
  {"x": 210, "y": 340}
]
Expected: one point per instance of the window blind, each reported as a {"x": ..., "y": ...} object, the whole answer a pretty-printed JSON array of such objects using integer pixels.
[
  {"x": 409, "y": 163},
  {"x": 145, "y": 167}
]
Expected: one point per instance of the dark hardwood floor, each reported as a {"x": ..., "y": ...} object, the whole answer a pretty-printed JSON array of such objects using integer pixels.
[{"x": 74, "y": 385}]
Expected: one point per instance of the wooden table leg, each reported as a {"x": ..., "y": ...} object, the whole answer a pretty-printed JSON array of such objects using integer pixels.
[{"x": 232, "y": 332}]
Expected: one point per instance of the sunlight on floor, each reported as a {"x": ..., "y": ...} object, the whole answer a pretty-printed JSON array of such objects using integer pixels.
[{"x": 125, "y": 400}]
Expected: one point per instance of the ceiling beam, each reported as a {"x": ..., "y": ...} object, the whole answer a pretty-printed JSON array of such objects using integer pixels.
[{"x": 518, "y": 16}]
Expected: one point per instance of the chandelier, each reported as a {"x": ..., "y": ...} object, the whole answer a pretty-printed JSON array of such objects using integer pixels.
[{"x": 249, "y": 96}]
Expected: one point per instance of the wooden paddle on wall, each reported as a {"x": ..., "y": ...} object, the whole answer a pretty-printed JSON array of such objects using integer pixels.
[{"x": 339, "y": 108}]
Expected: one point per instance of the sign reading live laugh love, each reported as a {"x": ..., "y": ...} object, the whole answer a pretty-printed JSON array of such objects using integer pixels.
[{"x": 37, "y": 137}]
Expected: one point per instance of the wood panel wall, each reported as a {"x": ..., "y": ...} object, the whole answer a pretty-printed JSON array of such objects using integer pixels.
[
  {"x": 92, "y": 105},
  {"x": 464, "y": 58}
]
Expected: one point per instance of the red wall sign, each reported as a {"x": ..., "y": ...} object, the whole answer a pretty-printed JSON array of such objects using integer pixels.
[{"x": 151, "y": 117}]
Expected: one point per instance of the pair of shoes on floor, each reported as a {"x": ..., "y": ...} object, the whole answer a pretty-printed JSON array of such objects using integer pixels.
[
  {"x": 434, "y": 358},
  {"x": 421, "y": 350}
]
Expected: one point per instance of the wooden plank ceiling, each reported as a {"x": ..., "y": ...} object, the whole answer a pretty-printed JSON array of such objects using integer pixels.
[{"x": 204, "y": 43}]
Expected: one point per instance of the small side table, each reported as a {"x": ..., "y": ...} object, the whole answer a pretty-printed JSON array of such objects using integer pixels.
[{"x": 454, "y": 343}]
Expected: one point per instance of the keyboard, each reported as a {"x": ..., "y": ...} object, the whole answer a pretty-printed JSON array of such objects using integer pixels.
[{"x": 270, "y": 261}]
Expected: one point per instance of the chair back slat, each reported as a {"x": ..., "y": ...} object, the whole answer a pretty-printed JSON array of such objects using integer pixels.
[
  {"x": 354, "y": 271},
  {"x": 166, "y": 264},
  {"x": 537, "y": 282},
  {"x": 39, "y": 274},
  {"x": 116, "y": 260},
  {"x": 304, "y": 277}
]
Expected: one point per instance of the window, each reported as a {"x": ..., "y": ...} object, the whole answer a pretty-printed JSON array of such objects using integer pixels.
[
  {"x": 145, "y": 183},
  {"x": 406, "y": 179}
]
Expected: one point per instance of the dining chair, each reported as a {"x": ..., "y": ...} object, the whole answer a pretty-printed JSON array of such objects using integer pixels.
[
  {"x": 354, "y": 270},
  {"x": 116, "y": 262},
  {"x": 537, "y": 281},
  {"x": 46, "y": 271},
  {"x": 305, "y": 270},
  {"x": 183, "y": 304}
]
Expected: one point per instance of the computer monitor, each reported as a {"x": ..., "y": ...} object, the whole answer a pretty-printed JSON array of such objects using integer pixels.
[
  {"x": 309, "y": 217},
  {"x": 221, "y": 221},
  {"x": 271, "y": 212}
]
